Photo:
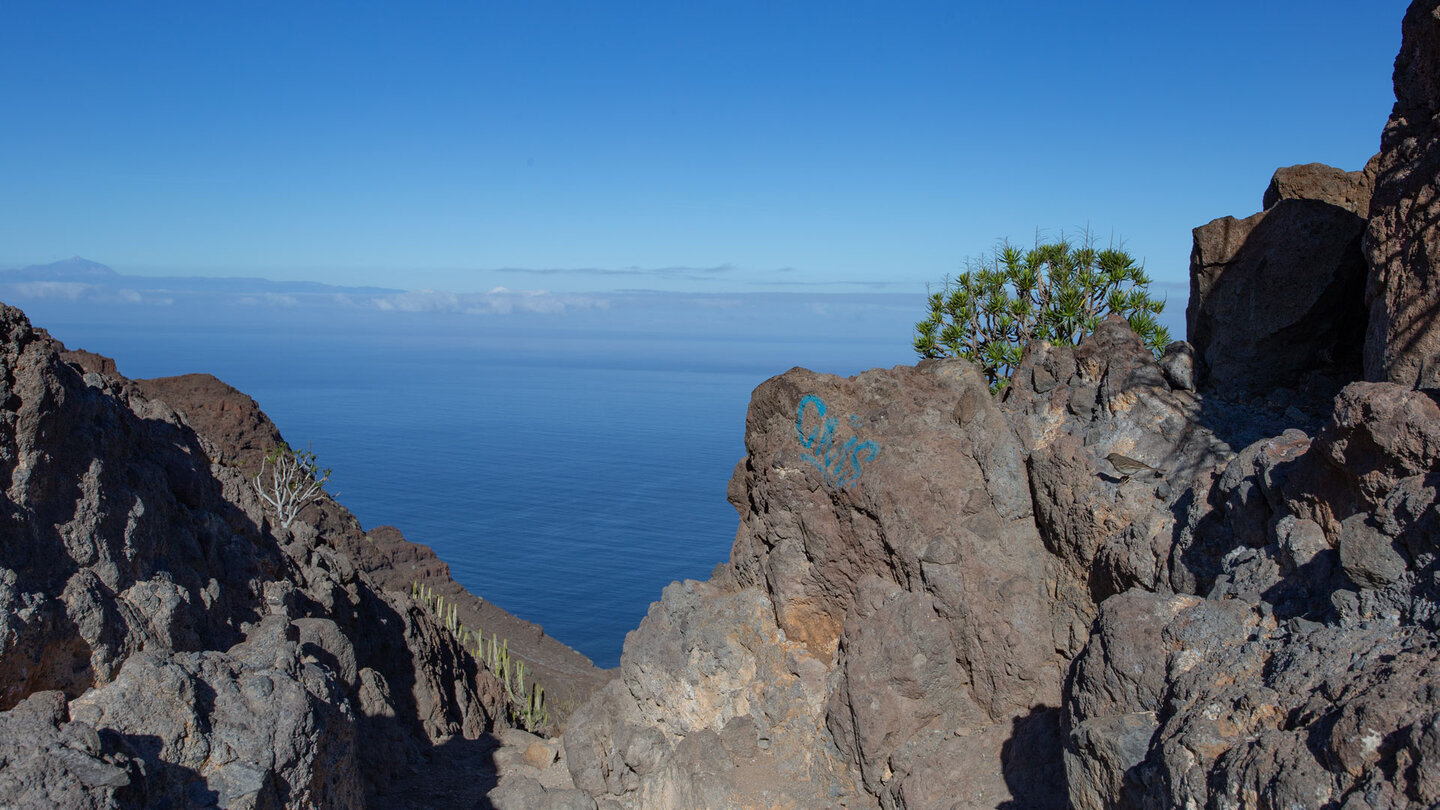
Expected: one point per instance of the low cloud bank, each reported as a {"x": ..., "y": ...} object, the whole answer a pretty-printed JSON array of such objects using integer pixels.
[{"x": 498, "y": 301}]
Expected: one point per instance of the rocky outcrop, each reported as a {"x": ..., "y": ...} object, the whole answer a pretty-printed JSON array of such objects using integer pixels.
[
  {"x": 1276, "y": 298},
  {"x": 53, "y": 761},
  {"x": 936, "y": 599},
  {"x": 1072, "y": 407},
  {"x": 1297, "y": 679},
  {"x": 238, "y": 433},
  {"x": 162, "y": 642},
  {"x": 713, "y": 708},
  {"x": 117, "y": 536},
  {"x": 1402, "y": 240},
  {"x": 234, "y": 431},
  {"x": 882, "y": 632},
  {"x": 255, "y": 726},
  {"x": 940, "y": 600},
  {"x": 983, "y": 613}
]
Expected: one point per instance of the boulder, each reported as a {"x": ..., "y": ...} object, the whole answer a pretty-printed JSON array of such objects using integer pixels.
[
  {"x": 714, "y": 707},
  {"x": 1317, "y": 181},
  {"x": 1402, "y": 238},
  {"x": 53, "y": 761},
  {"x": 1275, "y": 299},
  {"x": 254, "y": 727},
  {"x": 882, "y": 632}
]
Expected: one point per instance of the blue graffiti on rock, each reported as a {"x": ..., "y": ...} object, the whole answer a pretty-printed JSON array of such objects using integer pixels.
[{"x": 839, "y": 463}]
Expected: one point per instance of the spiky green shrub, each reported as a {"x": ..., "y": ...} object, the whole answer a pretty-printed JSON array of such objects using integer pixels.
[{"x": 1056, "y": 292}]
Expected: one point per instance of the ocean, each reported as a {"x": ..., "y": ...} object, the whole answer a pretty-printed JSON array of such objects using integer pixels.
[{"x": 567, "y": 468}]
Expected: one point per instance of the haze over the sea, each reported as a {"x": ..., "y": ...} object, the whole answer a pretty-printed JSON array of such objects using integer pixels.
[
  {"x": 686, "y": 147},
  {"x": 579, "y": 233}
]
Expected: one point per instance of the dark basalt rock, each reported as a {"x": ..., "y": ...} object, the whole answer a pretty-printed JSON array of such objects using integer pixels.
[
  {"x": 1276, "y": 299},
  {"x": 1402, "y": 239},
  {"x": 53, "y": 761},
  {"x": 208, "y": 657}
]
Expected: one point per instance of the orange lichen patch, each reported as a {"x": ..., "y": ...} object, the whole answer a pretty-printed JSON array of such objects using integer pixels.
[
  {"x": 811, "y": 625},
  {"x": 1123, "y": 401}
]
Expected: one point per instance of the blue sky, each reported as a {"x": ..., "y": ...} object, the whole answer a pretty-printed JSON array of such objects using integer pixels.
[{"x": 589, "y": 146}]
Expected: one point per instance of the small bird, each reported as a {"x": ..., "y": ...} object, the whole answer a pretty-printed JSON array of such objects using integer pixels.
[{"x": 1127, "y": 466}]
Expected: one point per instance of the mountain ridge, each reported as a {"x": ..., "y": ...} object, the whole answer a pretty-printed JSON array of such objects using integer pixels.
[{"x": 81, "y": 270}]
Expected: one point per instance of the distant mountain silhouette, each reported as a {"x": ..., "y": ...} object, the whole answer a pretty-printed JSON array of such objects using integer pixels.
[
  {"x": 80, "y": 270},
  {"x": 74, "y": 268}
]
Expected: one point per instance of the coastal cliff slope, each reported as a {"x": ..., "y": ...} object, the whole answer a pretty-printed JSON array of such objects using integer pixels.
[
  {"x": 164, "y": 642},
  {"x": 936, "y": 598}
]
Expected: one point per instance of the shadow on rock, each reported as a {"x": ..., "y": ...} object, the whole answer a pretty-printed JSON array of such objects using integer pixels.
[
  {"x": 1031, "y": 760},
  {"x": 455, "y": 774}
]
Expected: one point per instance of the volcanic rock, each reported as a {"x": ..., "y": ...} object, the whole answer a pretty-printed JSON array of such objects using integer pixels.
[
  {"x": 1402, "y": 239},
  {"x": 208, "y": 656},
  {"x": 1275, "y": 299},
  {"x": 882, "y": 632}
]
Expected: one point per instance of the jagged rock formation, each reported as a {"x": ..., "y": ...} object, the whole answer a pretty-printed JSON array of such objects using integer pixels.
[
  {"x": 1402, "y": 241},
  {"x": 233, "y": 429},
  {"x": 1276, "y": 299},
  {"x": 937, "y": 600},
  {"x": 895, "y": 626},
  {"x": 163, "y": 643},
  {"x": 1256, "y": 624}
]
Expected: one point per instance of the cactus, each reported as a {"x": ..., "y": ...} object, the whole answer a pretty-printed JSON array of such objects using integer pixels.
[
  {"x": 519, "y": 686},
  {"x": 534, "y": 711},
  {"x": 524, "y": 706}
]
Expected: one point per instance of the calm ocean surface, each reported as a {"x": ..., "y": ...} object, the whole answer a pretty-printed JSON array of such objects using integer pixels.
[{"x": 567, "y": 477}]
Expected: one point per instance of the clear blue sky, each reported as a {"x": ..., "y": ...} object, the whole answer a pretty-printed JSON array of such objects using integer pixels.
[{"x": 683, "y": 146}]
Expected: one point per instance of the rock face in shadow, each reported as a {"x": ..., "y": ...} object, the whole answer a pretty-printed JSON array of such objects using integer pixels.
[
  {"x": 1276, "y": 299},
  {"x": 162, "y": 642},
  {"x": 1402, "y": 241},
  {"x": 232, "y": 429},
  {"x": 53, "y": 761}
]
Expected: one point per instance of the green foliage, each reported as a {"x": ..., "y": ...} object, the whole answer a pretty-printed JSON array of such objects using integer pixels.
[
  {"x": 525, "y": 705},
  {"x": 295, "y": 479},
  {"x": 1056, "y": 292}
]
